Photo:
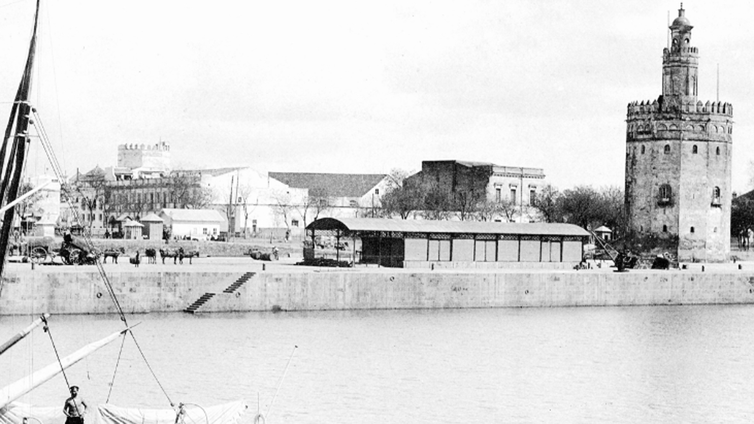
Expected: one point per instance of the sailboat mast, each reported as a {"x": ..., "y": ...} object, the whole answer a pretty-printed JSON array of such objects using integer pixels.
[
  {"x": 23, "y": 333},
  {"x": 13, "y": 163}
]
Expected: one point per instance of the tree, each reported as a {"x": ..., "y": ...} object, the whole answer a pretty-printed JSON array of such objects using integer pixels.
[
  {"x": 582, "y": 206},
  {"x": 741, "y": 214},
  {"x": 282, "y": 207},
  {"x": 489, "y": 210},
  {"x": 436, "y": 204},
  {"x": 465, "y": 204},
  {"x": 397, "y": 176},
  {"x": 92, "y": 188},
  {"x": 317, "y": 202},
  {"x": 188, "y": 193},
  {"x": 244, "y": 191},
  {"x": 613, "y": 212},
  {"x": 590, "y": 208},
  {"x": 549, "y": 203},
  {"x": 402, "y": 200}
]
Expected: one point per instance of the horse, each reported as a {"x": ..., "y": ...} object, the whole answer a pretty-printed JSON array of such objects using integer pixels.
[
  {"x": 135, "y": 260},
  {"x": 190, "y": 255},
  {"x": 172, "y": 253},
  {"x": 151, "y": 255},
  {"x": 112, "y": 253}
]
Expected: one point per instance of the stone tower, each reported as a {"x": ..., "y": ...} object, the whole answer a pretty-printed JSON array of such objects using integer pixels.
[
  {"x": 678, "y": 159},
  {"x": 150, "y": 157}
]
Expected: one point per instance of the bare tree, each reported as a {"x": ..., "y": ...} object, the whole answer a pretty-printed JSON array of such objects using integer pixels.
[
  {"x": 316, "y": 202},
  {"x": 244, "y": 192},
  {"x": 188, "y": 193},
  {"x": 282, "y": 207},
  {"x": 92, "y": 188},
  {"x": 488, "y": 210},
  {"x": 402, "y": 201},
  {"x": 465, "y": 204}
]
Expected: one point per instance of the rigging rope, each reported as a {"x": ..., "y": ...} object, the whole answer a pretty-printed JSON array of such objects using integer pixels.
[
  {"x": 62, "y": 368},
  {"x": 37, "y": 122},
  {"x": 112, "y": 382},
  {"x": 150, "y": 369}
]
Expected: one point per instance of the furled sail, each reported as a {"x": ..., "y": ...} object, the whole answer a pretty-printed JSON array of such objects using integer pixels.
[
  {"x": 15, "y": 413},
  {"x": 23, "y": 333},
  {"x": 228, "y": 413},
  {"x": 14, "y": 391}
]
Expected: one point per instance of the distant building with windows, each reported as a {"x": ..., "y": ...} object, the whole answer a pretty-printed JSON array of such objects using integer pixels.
[
  {"x": 516, "y": 187},
  {"x": 251, "y": 202}
]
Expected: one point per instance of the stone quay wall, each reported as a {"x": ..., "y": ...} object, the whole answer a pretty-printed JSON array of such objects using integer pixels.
[{"x": 143, "y": 292}]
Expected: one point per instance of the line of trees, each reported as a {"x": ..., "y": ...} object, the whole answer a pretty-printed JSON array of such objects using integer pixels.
[{"x": 583, "y": 205}]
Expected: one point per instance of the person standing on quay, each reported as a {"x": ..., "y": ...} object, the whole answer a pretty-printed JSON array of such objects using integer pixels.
[{"x": 75, "y": 407}]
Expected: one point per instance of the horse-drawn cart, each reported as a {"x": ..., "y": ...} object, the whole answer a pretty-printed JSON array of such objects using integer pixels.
[{"x": 62, "y": 256}]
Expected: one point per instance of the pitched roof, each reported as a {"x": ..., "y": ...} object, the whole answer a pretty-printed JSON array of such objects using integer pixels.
[
  {"x": 151, "y": 217},
  {"x": 201, "y": 215},
  {"x": 337, "y": 185},
  {"x": 447, "y": 227}
]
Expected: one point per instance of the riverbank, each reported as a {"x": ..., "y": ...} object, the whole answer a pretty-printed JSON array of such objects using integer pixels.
[{"x": 243, "y": 284}]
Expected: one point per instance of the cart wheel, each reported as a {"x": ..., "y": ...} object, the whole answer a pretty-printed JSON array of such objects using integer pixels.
[
  {"x": 38, "y": 254},
  {"x": 74, "y": 257}
]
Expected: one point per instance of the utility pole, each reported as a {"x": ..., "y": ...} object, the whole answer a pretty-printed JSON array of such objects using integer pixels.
[{"x": 231, "y": 224}]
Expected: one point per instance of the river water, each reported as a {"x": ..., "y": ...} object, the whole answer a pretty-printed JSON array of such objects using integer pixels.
[{"x": 626, "y": 365}]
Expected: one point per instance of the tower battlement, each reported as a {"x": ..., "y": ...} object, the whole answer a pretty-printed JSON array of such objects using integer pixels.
[
  {"x": 161, "y": 146},
  {"x": 155, "y": 157},
  {"x": 647, "y": 109}
]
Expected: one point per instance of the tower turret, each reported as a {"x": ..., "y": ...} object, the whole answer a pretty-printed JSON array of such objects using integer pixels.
[{"x": 680, "y": 63}]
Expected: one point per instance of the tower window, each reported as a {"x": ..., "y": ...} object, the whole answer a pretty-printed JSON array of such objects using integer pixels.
[
  {"x": 642, "y": 150},
  {"x": 716, "y": 196},
  {"x": 664, "y": 228},
  {"x": 694, "y": 149},
  {"x": 665, "y": 195},
  {"x": 717, "y": 151},
  {"x": 692, "y": 230},
  {"x": 667, "y": 149}
]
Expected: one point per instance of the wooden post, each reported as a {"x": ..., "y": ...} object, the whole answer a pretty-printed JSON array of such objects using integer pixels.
[
  {"x": 379, "y": 249},
  {"x": 337, "y": 245}
]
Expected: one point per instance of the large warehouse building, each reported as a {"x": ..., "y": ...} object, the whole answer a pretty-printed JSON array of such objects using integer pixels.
[{"x": 454, "y": 244}]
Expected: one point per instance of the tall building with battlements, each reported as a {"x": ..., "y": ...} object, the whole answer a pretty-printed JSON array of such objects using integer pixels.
[
  {"x": 145, "y": 159},
  {"x": 678, "y": 158}
]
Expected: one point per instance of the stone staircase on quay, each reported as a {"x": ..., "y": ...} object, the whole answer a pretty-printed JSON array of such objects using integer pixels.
[{"x": 206, "y": 297}]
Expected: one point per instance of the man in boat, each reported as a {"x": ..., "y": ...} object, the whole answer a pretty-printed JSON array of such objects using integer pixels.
[{"x": 75, "y": 407}]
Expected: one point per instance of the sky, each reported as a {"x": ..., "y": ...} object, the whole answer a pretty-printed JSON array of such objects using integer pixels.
[{"x": 366, "y": 87}]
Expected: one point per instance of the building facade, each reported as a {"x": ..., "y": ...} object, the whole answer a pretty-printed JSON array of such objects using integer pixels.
[
  {"x": 678, "y": 159},
  {"x": 516, "y": 187}
]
